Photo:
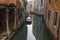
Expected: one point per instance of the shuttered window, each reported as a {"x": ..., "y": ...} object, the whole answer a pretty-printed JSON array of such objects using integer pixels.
[
  {"x": 55, "y": 18},
  {"x": 48, "y": 15}
]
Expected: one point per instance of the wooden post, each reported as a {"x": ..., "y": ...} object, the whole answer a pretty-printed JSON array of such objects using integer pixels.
[
  {"x": 7, "y": 24},
  {"x": 15, "y": 21},
  {"x": 32, "y": 15},
  {"x": 32, "y": 5}
]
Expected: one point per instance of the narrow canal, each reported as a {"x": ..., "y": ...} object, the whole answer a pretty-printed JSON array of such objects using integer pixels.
[
  {"x": 24, "y": 33},
  {"x": 30, "y": 33},
  {"x": 40, "y": 32}
]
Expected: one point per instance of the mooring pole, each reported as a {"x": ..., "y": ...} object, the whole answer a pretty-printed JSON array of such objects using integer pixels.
[{"x": 32, "y": 12}]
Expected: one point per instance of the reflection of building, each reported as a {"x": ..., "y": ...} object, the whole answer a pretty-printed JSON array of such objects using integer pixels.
[
  {"x": 39, "y": 29},
  {"x": 21, "y": 34}
]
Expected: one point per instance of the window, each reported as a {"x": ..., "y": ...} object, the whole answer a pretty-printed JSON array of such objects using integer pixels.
[
  {"x": 41, "y": 2},
  {"x": 49, "y": 1},
  {"x": 48, "y": 15},
  {"x": 55, "y": 18}
]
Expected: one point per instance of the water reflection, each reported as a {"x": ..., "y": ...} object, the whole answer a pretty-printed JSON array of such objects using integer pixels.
[
  {"x": 30, "y": 35},
  {"x": 21, "y": 34},
  {"x": 39, "y": 29},
  {"x": 24, "y": 33}
]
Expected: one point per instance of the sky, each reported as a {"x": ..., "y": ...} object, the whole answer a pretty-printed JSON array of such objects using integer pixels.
[{"x": 29, "y": 0}]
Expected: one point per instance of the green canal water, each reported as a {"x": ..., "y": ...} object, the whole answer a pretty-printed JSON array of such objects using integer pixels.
[
  {"x": 24, "y": 33},
  {"x": 40, "y": 32}
]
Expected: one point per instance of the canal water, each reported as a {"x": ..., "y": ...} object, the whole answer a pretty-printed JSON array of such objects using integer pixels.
[
  {"x": 30, "y": 35},
  {"x": 24, "y": 33},
  {"x": 38, "y": 32}
]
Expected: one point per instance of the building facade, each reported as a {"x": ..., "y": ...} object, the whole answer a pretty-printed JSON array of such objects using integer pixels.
[
  {"x": 29, "y": 6},
  {"x": 52, "y": 17},
  {"x": 39, "y": 6}
]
